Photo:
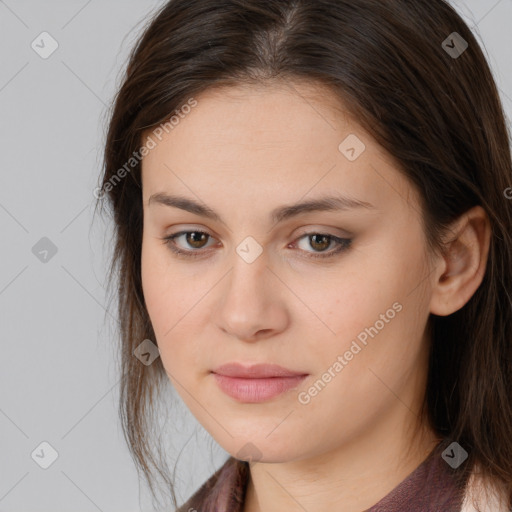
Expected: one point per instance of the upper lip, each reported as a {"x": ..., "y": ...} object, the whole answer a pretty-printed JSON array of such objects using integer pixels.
[{"x": 255, "y": 371}]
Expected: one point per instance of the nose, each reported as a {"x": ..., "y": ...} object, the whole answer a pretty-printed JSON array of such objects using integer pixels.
[{"x": 250, "y": 302}]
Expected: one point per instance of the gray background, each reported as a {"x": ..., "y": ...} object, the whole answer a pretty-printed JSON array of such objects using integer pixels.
[{"x": 58, "y": 370}]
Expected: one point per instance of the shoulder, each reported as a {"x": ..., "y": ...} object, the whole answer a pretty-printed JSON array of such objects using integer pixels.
[
  {"x": 224, "y": 490},
  {"x": 479, "y": 496}
]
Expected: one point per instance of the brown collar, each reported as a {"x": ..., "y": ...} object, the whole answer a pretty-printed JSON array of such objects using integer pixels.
[{"x": 433, "y": 486}]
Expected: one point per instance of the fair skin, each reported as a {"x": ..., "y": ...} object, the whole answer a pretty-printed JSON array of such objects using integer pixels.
[{"x": 244, "y": 152}]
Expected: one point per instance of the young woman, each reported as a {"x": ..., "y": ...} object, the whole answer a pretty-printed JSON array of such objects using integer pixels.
[{"x": 313, "y": 218}]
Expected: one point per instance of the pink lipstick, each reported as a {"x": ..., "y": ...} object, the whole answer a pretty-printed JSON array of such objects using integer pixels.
[{"x": 256, "y": 383}]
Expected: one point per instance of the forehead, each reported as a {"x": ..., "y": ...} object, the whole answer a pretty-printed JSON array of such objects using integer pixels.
[
  {"x": 265, "y": 140},
  {"x": 273, "y": 113}
]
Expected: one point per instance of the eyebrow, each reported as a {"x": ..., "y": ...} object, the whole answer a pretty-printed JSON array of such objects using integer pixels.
[{"x": 327, "y": 203}]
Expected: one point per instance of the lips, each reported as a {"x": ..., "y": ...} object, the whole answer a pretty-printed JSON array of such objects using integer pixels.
[
  {"x": 257, "y": 371},
  {"x": 256, "y": 383}
]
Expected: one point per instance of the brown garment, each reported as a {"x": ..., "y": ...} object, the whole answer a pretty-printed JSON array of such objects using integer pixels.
[{"x": 431, "y": 487}]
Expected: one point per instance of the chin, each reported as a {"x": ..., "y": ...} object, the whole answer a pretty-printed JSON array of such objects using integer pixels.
[{"x": 264, "y": 449}]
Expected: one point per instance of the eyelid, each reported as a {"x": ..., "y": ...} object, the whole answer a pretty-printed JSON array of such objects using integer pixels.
[
  {"x": 307, "y": 230},
  {"x": 170, "y": 238},
  {"x": 343, "y": 243},
  {"x": 324, "y": 230}
]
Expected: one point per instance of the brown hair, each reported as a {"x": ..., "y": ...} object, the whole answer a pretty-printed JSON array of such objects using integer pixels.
[{"x": 437, "y": 114}]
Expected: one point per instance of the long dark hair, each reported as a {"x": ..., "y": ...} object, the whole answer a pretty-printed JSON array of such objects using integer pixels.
[{"x": 426, "y": 98}]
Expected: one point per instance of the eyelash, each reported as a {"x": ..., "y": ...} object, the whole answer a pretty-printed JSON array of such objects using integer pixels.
[{"x": 343, "y": 245}]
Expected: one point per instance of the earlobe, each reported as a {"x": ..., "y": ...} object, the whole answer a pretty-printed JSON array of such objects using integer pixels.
[{"x": 462, "y": 265}]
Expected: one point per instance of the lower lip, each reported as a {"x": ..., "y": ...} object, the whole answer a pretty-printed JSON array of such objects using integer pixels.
[{"x": 256, "y": 390}]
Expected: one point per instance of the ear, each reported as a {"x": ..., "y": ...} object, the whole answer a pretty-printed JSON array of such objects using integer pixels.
[{"x": 461, "y": 267}]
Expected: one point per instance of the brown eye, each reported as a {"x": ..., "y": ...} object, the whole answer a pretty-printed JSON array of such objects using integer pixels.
[
  {"x": 195, "y": 242},
  {"x": 196, "y": 239},
  {"x": 320, "y": 242}
]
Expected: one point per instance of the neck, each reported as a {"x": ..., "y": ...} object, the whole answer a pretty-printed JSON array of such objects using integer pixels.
[{"x": 350, "y": 479}]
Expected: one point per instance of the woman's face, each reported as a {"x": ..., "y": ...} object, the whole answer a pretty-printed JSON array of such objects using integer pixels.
[{"x": 270, "y": 283}]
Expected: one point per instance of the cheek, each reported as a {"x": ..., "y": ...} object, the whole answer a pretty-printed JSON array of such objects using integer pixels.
[
  {"x": 361, "y": 299},
  {"x": 172, "y": 299},
  {"x": 161, "y": 292},
  {"x": 167, "y": 289},
  {"x": 345, "y": 299},
  {"x": 157, "y": 293}
]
